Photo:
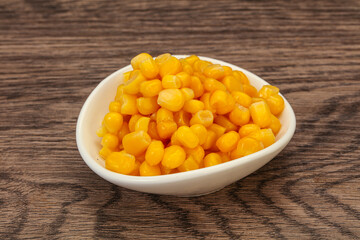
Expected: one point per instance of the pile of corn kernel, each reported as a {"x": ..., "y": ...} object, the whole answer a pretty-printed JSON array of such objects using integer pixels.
[{"x": 175, "y": 115}]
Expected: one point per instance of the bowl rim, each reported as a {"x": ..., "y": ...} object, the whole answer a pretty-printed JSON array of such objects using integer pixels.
[{"x": 181, "y": 176}]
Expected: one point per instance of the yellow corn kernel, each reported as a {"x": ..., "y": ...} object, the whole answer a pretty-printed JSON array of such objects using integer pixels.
[
  {"x": 240, "y": 76},
  {"x": 225, "y": 122},
  {"x": 174, "y": 156},
  {"x": 250, "y": 90},
  {"x": 148, "y": 170},
  {"x": 197, "y": 86},
  {"x": 171, "y": 99},
  {"x": 242, "y": 98},
  {"x": 182, "y": 118},
  {"x": 105, "y": 152},
  {"x": 162, "y": 58},
  {"x": 211, "y": 84},
  {"x": 153, "y": 116},
  {"x": 126, "y": 76},
  {"x": 101, "y": 131},
  {"x": 200, "y": 65},
  {"x": 152, "y": 131},
  {"x": 113, "y": 122},
  {"x": 193, "y": 106},
  {"x": 210, "y": 140},
  {"x": 135, "y": 62},
  {"x": 136, "y": 171},
  {"x": 186, "y": 137},
  {"x": 224, "y": 156},
  {"x": 222, "y": 101},
  {"x": 219, "y": 130},
  {"x": 171, "y": 81},
  {"x": 215, "y": 71},
  {"x": 123, "y": 131},
  {"x": 199, "y": 75},
  {"x": 164, "y": 115},
  {"x": 136, "y": 143},
  {"x": 119, "y": 92},
  {"x": 232, "y": 84},
  {"x": 212, "y": 159},
  {"x": 200, "y": 131},
  {"x": 260, "y": 114},
  {"x": 174, "y": 140},
  {"x": 166, "y": 128},
  {"x": 120, "y": 162},
  {"x": 151, "y": 88},
  {"x": 165, "y": 170},
  {"x": 186, "y": 67},
  {"x": 245, "y": 147},
  {"x": 205, "y": 98},
  {"x": 132, "y": 122},
  {"x": 149, "y": 68},
  {"x": 189, "y": 164},
  {"x": 141, "y": 158},
  {"x": 228, "y": 141},
  {"x": 247, "y": 129},
  {"x": 275, "y": 124},
  {"x": 188, "y": 93},
  {"x": 257, "y": 99},
  {"x": 147, "y": 106},
  {"x": 128, "y": 104},
  {"x": 142, "y": 124},
  {"x": 267, "y": 91},
  {"x": 171, "y": 66},
  {"x": 276, "y": 104},
  {"x": 114, "y": 107},
  {"x": 267, "y": 137},
  {"x": 204, "y": 117},
  {"x": 197, "y": 153},
  {"x": 240, "y": 115},
  {"x": 133, "y": 85},
  {"x": 154, "y": 153},
  {"x": 227, "y": 70},
  {"x": 191, "y": 59},
  {"x": 184, "y": 79}
]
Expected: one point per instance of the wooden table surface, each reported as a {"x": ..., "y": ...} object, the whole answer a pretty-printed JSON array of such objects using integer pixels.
[{"x": 53, "y": 54}]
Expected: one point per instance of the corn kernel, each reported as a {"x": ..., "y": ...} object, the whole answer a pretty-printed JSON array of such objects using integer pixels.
[
  {"x": 113, "y": 122},
  {"x": 142, "y": 124},
  {"x": 188, "y": 93},
  {"x": 136, "y": 143},
  {"x": 132, "y": 122},
  {"x": 182, "y": 118},
  {"x": 210, "y": 140},
  {"x": 154, "y": 153},
  {"x": 161, "y": 59},
  {"x": 171, "y": 99},
  {"x": 171, "y": 66},
  {"x": 165, "y": 170},
  {"x": 188, "y": 165},
  {"x": 191, "y": 59},
  {"x": 174, "y": 140},
  {"x": 250, "y": 90},
  {"x": 215, "y": 71},
  {"x": 101, "y": 131},
  {"x": 149, "y": 68},
  {"x": 222, "y": 101},
  {"x": 228, "y": 141},
  {"x": 186, "y": 137},
  {"x": 232, "y": 84},
  {"x": 204, "y": 117},
  {"x": 164, "y": 115},
  {"x": 105, "y": 152},
  {"x": 227, "y": 70},
  {"x": 247, "y": 129},
  {"x": 197, "y": 86},
  {"x": 151, "y": 88},
  {"x": 257, "y": 99},
  {"x": 135, "y": 62},
  {"x": 193, "y": 106},
  {"x": 245, "y": 147},
  {"x": 212, "y": 159},
  {"x": 240, "y": 76},
  {"x": 219, "y": 130},
  {"x": 136, "y": 171},
  {"x": 226, "y": 123},
  {"x": 132, "y": 86},
  {"x": 224, "y": 156},
  {"x": 260, "y": 114},
  {"x": 186, "y": 67},
  {"x": 275, "y": 124},
  {"x": 200, "y": 131},
  {"x": 148, "y": 170},
  {"x": 128, "y": 104},
  {"x": 205, "y": 98},
  {"x": 184, "y": 79},
  {"x": 267, "y": 136},
  {"x": 199, "y": 75},
  {"x": 140, "y": 158},
  {"x": 166, "y": 128},
  {"x": 126, "y": 76},
  {"x": 276, "y": 104},
  {"x": 152, "y": 131},
  {"x": 174, "y": 156},
  {"x": 197, "y": 153},
  {"x": 171, "y": 81},
  {"x": 114, "y": 107},
  {"x": 120, "y": 162},
  {"x": 119, "y": 93},
  {"x": 242, "y": 98},
  {"x": 267, "y": 91},
  {"x": 123, "y": 131},
  {"x": 211, "y": 84},
  {"x": 240, "y": 115},
  {"x": 147, "y": 106}
]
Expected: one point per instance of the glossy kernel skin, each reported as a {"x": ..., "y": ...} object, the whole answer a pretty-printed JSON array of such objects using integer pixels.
[
  {"x": 212, "y": 159},
  {"x": 147, "y": 106},
  {"x": 204, "y": 117},
  {"x": 171, "y": 81},
  {"x": 113, "y": 122},
  {"x": 171, "y": 99},
  {"x": 151, "y": 88},
  {"x": 228, "y": 141},
  {"x": 247, "y": 129},
  {"x": 193, "y": 106},
  {"x": 189, "y": 164},
  {"x": 148, "y": 170},
  {"x": 246, "y": 146},
  {"x": 200, "y": 131},
  {"x": 240, "y": 115},
  {"x": 186, "y": 137},
  {"x": 120, "y": 162},
  {"x": 149, "y": 68},
  {"x": 136, "y": 143},
  {"x": 260, "y": 114},
  {"x": 135, "y": 61},
  {"x": 174, "y": 156}
]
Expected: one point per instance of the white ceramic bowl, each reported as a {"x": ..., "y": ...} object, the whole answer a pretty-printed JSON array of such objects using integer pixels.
[{"x": 192, "y": 183}]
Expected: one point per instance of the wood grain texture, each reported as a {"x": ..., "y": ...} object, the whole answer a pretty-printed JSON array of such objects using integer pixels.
[{"x": 53, "y": 53}]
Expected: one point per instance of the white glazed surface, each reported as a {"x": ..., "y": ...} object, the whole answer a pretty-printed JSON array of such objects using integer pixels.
[{"x": 192, "y": 183}]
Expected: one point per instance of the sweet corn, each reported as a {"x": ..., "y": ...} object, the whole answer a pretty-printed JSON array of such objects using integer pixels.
[
  {"x": 174, "y": 140},
  {"x": 240, "y": 76},
  {"x": 165, "y": 170},
  {"x": 242, "y": 98},
  {"x": 164, "y": 115},
  {"x": 219, "y": 130},
  {"x": 197, "y": 153},
  {"x": 227, "y": 70},
  {"x": 133, "y": 120},
  {"x": 149, "y": 68},
  {"x": 171, "y": 99},
  {"x": 147, "y": 106},
  {"x": 184, "y": 79},
  {"x": 161, "y": 59},
  {"x": 171, "y": 81},
  {"x": 240, "y": 115},
  {"x": 276, "y": 104},
  {"x": 171, "y": 66},
  {"x": 140, "y": 158},
  {"x": 123, "y": 131},
  {"x": 211, "y": 84},
  {"x": 105, "y": 152},
  {"x": 166, "y": 128},
  {"x": 120, "y": 162},
  {"x": 200, "y": 65},
  {"x": 247, "y": 129},
  {"x": 210, "y": 140},
  {"x": 257, "y": 99},
  {"x": 222, "y": 101},
  {"x": 186, "y": 137},
  {"x": 215, "y": 71},
  {"x": 260, "y": 114},
  {"x": 204, "y": 117},
  {"x": 136, "y": 143},
  {"x": 266, "y": 136},
  {"x": 228, "y": 141},
  {"x": 186, "y": 67},
  {"x": 193, "y": 106},
  {"x": 182, "y": 118},
  {"x": 189, "y": 164},
  {"x": 245, "y": 147},
  {"x": 250, "y": 90},
  {"x": 113, "y": 122},
  {"x": 200, "y": 131},
  {"x": 212, "y": 159},
  {"x": 154, "y": 153},
  {"x": 174, "y": 156},
  {"x": 135, "y": 62},
  {"x": 205, "y": 98},
  {"x": 152, "y": 131},
  {"x": 224, "y": 156},
  {"x": 199, "y": 75},
  {"x": 275, "y": 124},
  {"x": 151, "y": 88},
  {"x": 225, "y": 122},
  {"x": 148, "y": 170},
  {"x": 101, "y": 131},
  {"x": 119, "y": 93},
  {"x": 128, "y": 104},
  {"x": 126, "y": 76},
  {"x": 267, "y": 91},
  {"x": 115, "y": 107},
  {"x": 142, "y": 124},
  {"x": 132, "y": 86},
  {"x": 136, "y": 171},
  {"x": 191, "y": 59},
  {"x": 232, "y": 84},
  {"x": 197, "y": 86},
  {"x": 188, "y": 93}
]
